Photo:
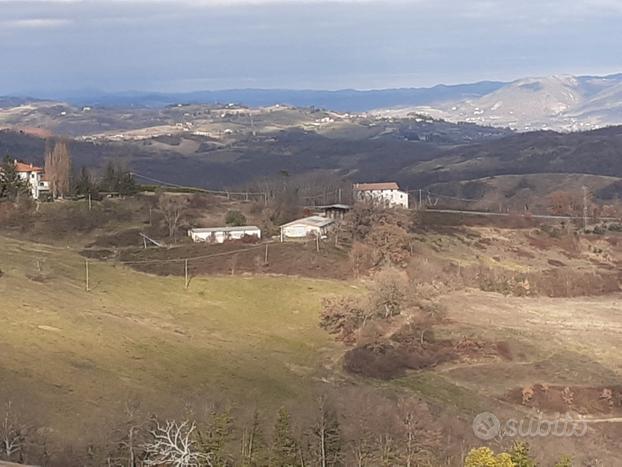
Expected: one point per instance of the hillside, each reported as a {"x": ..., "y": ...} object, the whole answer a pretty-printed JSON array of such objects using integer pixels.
[
  {"x": 563, "y": 103},
  {"x": 596, "y": 153},
  {"x": 239, "y": 150},
  {"x": 139, "y": 344}
]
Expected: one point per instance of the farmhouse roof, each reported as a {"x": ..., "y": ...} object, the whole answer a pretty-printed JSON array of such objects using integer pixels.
[
  {"x": 23, "y": 167},
  {"x": 376, "y": 186},
  {"x": 241, "y": 228},
  {"x": 312, "y": 221},
  {"x": 344, "y": 207}
]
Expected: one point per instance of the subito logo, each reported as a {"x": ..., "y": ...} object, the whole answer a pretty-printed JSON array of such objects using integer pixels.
[{"x": 486, "y": 426}]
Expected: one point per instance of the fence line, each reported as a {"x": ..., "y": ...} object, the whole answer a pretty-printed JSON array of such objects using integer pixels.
[
  {"x": 193, "y": 258},
  {"x": 204, "y": 190}
]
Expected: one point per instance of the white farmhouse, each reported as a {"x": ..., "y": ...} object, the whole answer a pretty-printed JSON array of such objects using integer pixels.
[
  {"x": 221, "y": 234},
  {"x": 387, "y": 193},
  {"x": 35, "y": 178},
  {"x": 315, "y": 225}
]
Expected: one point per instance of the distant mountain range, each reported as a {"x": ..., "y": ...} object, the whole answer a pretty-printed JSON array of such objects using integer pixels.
[
  {"x": 562, "y": 103},
  {"x": 346, "y": 100}
]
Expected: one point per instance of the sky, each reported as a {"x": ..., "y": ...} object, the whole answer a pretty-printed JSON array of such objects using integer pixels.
[{"x": 182, "y": 45}]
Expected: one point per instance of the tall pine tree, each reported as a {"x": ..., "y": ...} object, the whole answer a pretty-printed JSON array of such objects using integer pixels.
[
  {"x": 284, "y": 447},
  {"x": 11, "y": 184}
]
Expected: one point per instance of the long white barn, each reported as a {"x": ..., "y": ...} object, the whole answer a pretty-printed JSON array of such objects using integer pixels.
[{"x": 221, "y": 234}]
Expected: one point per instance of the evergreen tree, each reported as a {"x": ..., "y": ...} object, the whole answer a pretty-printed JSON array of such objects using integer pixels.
[
  {"x": 214, "y": 437},
  {"x": 84, "y": 183},
  {"x": 118, "y": 179},
  {"x": 520, "y": 455},
  {"x": 284, "y": 447},
  {"x": 11, "y": 184},
  {"x": 109, "y": 180},
  {"x": 127, "y": 183},
  {"x": 253, "y": 443}
]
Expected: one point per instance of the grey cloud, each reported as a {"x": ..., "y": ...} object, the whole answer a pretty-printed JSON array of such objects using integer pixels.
[{"x": 188, "y": 45}]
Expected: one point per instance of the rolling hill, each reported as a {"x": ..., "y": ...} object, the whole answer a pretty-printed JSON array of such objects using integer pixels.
[{"x": 563, "y": 103}]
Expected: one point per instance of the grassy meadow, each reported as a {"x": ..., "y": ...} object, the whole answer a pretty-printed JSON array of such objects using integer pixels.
[{"x": 69, "y": 357}]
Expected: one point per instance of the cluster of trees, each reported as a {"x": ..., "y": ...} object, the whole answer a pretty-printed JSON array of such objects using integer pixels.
[
  {"x": 115, "y": 179},
  {"x": 380, "y": 236},
  {"x": 215, "y": 440},
  {"x": 63, "y": 181},
  {"x": 391, "y": 329},
  {"x": 390, "y": 295}
]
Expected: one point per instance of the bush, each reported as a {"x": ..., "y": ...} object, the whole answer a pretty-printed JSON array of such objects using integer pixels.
[
  {"x": 235, "y": 218},
  {"x": 363, "y": 258},
  {"x": 342, "y": 316},
  {"x": 389, "y": 295}
]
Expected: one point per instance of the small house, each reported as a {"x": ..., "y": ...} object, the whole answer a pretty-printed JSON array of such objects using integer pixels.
[
  {"x": 387, "y": 193},
  {"x": 35, "y": 177},
  {"x": 314, "y": 225},
  {"x": 222, "y": 234},
  {"x": 335, "y": 211}
]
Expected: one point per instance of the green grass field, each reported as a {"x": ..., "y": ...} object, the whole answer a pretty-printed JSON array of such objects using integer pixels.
[{"x": 70, "y": 357}]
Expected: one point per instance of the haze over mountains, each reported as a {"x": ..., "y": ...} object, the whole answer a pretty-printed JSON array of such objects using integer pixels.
[{"x": 561, "y": 103}]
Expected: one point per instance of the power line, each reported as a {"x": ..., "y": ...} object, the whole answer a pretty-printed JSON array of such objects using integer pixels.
[
  {"x": 509, "y": 214},
  {"x": 193, "y": 258},
  {"x": 205, "y": 190}
]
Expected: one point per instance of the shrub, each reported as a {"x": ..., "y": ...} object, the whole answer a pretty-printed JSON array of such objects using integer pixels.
[
  {"x": 389, "y": 294},
  {"x": 235, "y": 218},
  {"x": 342, "y": 316},
  {"x": 485, "y": 457},
  {"x": 362, "y": 257}
]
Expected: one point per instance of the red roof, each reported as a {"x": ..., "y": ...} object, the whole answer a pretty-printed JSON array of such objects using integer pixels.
[
  {"x": 23, "y": 167},
  {"x": 376, "y": 186}
]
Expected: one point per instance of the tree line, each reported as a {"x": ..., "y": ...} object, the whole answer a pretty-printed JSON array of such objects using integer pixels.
[{"x": 63, "y": 180}]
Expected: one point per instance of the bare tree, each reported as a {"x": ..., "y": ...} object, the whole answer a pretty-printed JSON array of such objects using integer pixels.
[
  {"x": 58, "y": 169},
  {"x": 172, "y": 209},
  {"x": 327, "y": 436},
  {"x": 173, "y": 444},
  {"x": 12, "y": 436}
]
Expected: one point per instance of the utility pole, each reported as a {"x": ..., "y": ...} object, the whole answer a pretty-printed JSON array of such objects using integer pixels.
[
  {"x": 339, "y": 195},
  {"x": 265, "y": 260},
  {"x": 186, "y": 272},
  {"x": 90, "y": 202},
  {"x": 585, "y": 210},
  {"x": 86, "y": 275},
  {"x": 419, "y": 198}
]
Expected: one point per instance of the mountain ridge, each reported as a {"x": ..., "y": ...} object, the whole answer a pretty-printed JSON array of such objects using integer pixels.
[{"x": 559, "y": 102}]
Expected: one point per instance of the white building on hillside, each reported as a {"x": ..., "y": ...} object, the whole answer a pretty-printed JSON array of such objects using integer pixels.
[
  {"x": 35, "y": 177},
  {"x": 301, "y": 228},
  {"x": 221, "y": 234},
  {"x": 387, "y": 193}
]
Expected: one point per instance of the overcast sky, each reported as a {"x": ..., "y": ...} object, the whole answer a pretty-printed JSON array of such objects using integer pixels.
[{"x": 182, "y": 45}]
